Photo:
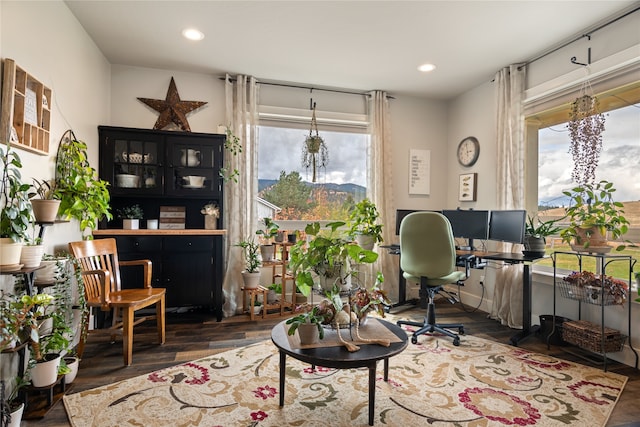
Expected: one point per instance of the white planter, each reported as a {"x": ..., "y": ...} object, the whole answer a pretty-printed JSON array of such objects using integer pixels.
[
  {"x": 251, "y": 280},
  {"x": 267, "y": 252},
  {"x": 9, "y": 251},
  {"x": 72, "y": 363},
  {"x": 45, "y": 373},
  {"x": 31, "y": 255},
  {"x": 365, "y": 241},
  {"x": 16, "y": 416},
  {"x": 130, "y": 224}
]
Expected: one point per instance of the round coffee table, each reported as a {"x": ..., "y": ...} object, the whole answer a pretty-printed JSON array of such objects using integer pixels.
[{"x": 338, "y": 357}]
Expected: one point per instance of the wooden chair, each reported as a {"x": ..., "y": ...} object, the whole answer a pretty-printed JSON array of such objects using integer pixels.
[{"x": 98, "y": 260}]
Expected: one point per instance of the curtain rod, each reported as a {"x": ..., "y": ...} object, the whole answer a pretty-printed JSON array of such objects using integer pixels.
[
  {"x": 311, "y": 88},
  {"x": 575, "y": 39}
]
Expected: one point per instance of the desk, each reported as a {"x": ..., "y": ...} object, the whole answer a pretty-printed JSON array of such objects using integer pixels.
[
  {"x": 340, "y": 358},
  {"x": 519, "y": 258}
]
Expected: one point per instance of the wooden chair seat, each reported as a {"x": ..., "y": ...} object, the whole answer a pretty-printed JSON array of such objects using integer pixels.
[{"x": 98, "y": 261}]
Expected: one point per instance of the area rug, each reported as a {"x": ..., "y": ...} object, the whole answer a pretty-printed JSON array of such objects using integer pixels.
[{"x": 479, "y": 383}]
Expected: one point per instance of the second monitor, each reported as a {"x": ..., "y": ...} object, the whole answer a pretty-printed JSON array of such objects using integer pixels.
[{"x": 468, "y": 224}]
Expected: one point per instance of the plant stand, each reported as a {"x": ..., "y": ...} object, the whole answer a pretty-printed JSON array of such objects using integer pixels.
[
  {"x": 253, "y": 293},
  {"x": 40, "y": 400}
]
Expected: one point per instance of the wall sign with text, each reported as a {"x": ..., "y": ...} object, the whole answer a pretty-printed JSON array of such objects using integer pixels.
[{"x": 419, "y": 171}]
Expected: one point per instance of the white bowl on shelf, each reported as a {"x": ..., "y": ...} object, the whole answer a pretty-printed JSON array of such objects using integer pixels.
[{"x": 127, "y": 181}]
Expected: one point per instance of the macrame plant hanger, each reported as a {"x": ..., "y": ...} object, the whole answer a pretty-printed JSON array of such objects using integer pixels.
[{"x": 314, "y": 151}]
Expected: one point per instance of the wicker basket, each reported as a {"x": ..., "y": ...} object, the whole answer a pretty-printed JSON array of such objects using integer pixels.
[
  {"x": 588, "y": 335},
  {"x": 587, "y": 294}
]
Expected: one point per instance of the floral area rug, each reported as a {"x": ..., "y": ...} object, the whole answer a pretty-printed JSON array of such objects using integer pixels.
[{"x": 479, "y": 383}]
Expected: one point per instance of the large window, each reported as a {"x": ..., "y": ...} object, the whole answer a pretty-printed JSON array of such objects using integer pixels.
[{"x": 286, "y": 184}]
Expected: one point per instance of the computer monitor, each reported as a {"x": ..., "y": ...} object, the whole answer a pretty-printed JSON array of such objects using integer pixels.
[
  {"x": 507, "y": 226},
  {"x": 468, "y": 224},
  {"x": 400, "y": 214}
]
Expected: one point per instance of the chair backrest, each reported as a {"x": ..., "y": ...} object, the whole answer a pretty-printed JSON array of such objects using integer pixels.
[
  {"x": 427, "y": 246},
  {"x": 99, "y": 254}
]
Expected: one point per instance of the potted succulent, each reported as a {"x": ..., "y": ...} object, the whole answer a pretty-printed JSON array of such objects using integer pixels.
[
  {"x": 15, "y": 209},
  {"x": 592, "y": 215},
  {"x": 363, "y": 300},
  {"x": 251, "y": 273},
  {"x": 308, "y": 323},
  {"x": 45, "y": 207},
  {"x": 363, "y": 224},
  {"x": 83, "y": 196},
  {"x": 267, "y": 233},
  {"x": 536, "y": 232},
  {"x": 131, "y": 216},
  {"x": 329, "y": 255}
]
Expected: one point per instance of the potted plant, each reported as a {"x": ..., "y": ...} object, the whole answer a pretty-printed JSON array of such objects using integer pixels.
[
  {"x": 592, "y": 213},
  {"x": 46, "y": 354},
  {"x": 11, "y": 408},
  {"x": 32, "y": 252},
  {"x": 211, "y": 214},
  {"x": 308, "y": 323},
  {"x": 330, "y": 255},
  {"x": 536, "y": 232},
  {"x": 363, "y": 224},
  {"x": 363, "y": 300},
  {"x": 45, "y": 208},
  {"x": 15, "y": 209},
  {"x": 251, "y": 273},
  {"x": 275, "y": 289},
  {"x": 268, "y": 232},
  {"x": 131, "y": 216},
  {"x": 83, "y": 196}
]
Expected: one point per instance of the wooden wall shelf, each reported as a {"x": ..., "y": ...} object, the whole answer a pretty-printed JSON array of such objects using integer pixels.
[{"x": 26, "y": 105}]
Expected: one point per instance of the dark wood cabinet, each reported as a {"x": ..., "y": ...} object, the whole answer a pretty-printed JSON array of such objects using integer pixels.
[{"x": 160, "y": 168}]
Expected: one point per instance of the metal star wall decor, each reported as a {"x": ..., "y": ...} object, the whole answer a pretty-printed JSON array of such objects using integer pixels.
[{"x": 172, "y": 109}]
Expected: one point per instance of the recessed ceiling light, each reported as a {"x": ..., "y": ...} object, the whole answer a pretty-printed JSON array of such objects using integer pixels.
[
  {"x": 425, "y": 68},
  {"x": 192, "y": 34}
]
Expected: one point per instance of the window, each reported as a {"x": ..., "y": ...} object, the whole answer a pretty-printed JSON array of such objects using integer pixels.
[
  {"x": 619, "y": 163},
  {"x": 285, "y": 183}
]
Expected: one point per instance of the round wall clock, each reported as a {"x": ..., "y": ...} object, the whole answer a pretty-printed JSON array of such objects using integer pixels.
[{"x": 468, "y": 151}]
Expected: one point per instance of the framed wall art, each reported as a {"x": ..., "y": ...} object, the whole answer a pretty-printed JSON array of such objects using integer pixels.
[{"x": 467, "y": 191}]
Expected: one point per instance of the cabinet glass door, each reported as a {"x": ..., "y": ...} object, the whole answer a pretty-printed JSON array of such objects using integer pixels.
[
  {"x": 137, "y": 166},
  {"x": 193, "y": 167}
]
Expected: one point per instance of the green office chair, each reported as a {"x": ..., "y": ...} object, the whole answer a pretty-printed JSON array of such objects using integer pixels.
[{"x": 428, "y": 257}]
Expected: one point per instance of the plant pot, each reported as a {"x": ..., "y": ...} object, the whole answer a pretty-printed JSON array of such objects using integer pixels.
[
  {"x": 308, "y": 333},
  {"x": 534, "y": 245},
  {"x": 9, "y": 252},
  {"x": 31, "y": 255},
  {"x": 210, "y": 222},
  {"x": 271, "y": 296},
  {"x": 365, "y": 241},
  {"x": 45, "y": 210},
  {"x": 130, "y": 224},
  {"x": 72, "y": 363},
  {"x": 256, "y": 309},
  {"x": 280, "y": 237},
  {"x": 291, "y": 238},
  {"x": 45, "y": 372},
  {"x": 16, "y": 416},
  {"x": 591, "y": 237},
  {"x": 267, "y": 252},
  {"x": 300, "y": 298},
  {"x": 251, "y": 280}
]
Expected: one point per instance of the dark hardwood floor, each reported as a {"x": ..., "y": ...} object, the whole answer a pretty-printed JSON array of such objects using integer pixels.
[{"x": 194, "y": 335}]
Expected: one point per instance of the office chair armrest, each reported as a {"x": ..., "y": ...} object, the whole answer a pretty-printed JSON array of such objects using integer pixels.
[
  {"x": 468, "y": 259},
  {"x": 146, "y": 265},
  {"x": 104, "y": 282}
]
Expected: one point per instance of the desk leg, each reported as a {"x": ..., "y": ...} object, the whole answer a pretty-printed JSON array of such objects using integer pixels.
[
  {"x": 372, "y": 392},
  {"x": 527, "y": 329},
  {"x": 283, "y": 357}
]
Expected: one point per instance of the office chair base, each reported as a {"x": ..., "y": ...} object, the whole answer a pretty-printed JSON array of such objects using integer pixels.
[{"x": 428, "y": 328}]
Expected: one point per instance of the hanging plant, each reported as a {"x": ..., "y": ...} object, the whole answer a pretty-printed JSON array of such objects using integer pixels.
[
  {"x": 314, "y": 151},
  {"x": 585, "y": 129}
]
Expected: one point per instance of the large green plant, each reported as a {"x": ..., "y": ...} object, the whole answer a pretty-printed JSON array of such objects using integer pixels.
[
  {"x": 592, "y": 206},
  {"x": 325, "y": 253},
  {"x": 82, "y": 194},
  {"x": 363, "y": 220},
  {"x": 15, "y": 208}
]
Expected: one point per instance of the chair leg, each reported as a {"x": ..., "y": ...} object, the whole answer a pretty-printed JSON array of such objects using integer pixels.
[
  {"x": 160, "y": 321},
  {"x": 127, "y": 335},
  {"x": 83, "y": 335}
]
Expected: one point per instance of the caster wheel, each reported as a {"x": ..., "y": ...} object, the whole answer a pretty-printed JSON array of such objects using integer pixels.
[
  {"x": 456, "y": 341},
  {"x": 414, "y": 340},
  {"x": 461, "y": 331}
]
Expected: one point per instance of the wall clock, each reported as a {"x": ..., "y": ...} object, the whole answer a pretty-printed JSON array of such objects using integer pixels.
[{"x": 468, "y": 151}]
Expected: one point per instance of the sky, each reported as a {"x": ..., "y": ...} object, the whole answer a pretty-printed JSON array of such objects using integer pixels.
[
  {"x": 619, "y": 160},
  {"x": 347, "y": 162}
]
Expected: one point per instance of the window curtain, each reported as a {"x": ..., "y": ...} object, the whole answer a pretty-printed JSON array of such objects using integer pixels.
[
  {"x": 510, "y": 85},
  {"x": 241, "y": 102},
  {"x": 380, "y": 185}
]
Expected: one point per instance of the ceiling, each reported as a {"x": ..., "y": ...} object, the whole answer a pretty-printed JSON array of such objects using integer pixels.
[{"x": 356, "y": 45}]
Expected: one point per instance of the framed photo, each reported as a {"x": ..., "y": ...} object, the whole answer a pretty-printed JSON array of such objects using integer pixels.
[{"x": 467, "y": 191}]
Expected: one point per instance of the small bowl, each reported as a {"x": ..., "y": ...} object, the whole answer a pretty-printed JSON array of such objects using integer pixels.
[
  {"x": 194, "y": 180},
  {"x": 127, "y": 181}
]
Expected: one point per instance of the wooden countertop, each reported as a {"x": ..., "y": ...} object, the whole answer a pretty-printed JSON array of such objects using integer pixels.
[{"x": 145, "y": 232}]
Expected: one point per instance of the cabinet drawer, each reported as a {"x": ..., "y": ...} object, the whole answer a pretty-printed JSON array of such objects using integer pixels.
[
  {"x": 189, "y": 243},
  {"x": 140, "y": 244}
]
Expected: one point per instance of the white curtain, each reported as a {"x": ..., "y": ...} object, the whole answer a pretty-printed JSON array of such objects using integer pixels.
[
  {"x": 380, "y": 185},
  {"x": 241, "y": 96},
  {"x": 510, "y": 85}
]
